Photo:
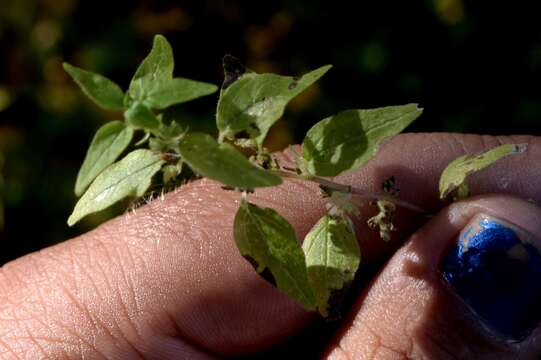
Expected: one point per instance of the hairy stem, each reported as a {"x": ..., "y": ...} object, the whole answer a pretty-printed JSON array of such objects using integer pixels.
[{"x": 348, "y": 189}]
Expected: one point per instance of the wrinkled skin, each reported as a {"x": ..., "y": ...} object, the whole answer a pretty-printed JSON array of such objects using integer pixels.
[{"x": 167, "y": 281}]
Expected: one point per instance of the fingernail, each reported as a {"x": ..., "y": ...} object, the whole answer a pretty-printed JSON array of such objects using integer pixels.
[{"x": 495, "y": 267}]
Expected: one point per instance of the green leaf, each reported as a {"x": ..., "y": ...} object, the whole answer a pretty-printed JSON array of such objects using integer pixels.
[
  {"x": 254, "y": 102},
  {"x": 170, "y": 172},
  {"x": 130, "y": 176},
  {"x": 463, "y": 191},
  {"x": 153, "y": 84},
  {"x": 98, "y": 88},
  {"x": 176, "y": 91},
  {"x": 455, "y": 173},
  {"x": 223, "y": 163},
  {"x": 332, "y": 258},
  {"x": 269, "y": 242},
  {"x": 156, "y": 69},
  {"x": 140, "y": 117},
  {"x": 349, "y": 139},
  {"x": 108, "y": 143},
  {"x": 170, "y": 136}
]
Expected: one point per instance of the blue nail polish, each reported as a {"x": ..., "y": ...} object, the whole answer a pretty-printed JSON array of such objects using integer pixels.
[{"x": 497, "y": 272}]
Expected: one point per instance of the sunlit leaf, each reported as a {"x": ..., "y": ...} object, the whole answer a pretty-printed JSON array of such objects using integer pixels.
[
  {"x": 153, "y": 84},
  {"x": 269, "y": 242},
  {"x": 156, "y": 69},
  {"x": 130, "y": 176},
  {"x": 455, "y": 173},
  {"x": 176, "y": 91},
  {"x": 140, "y": 117},
  {"x": 254, "y": 102},
  {"x": 223, "y": 163},
  {"x": 332, "y": 257},
  {"x": 108, "y": 143},
  {"x": 349, "y": 139},
  {"x": 98, "y": 88}
]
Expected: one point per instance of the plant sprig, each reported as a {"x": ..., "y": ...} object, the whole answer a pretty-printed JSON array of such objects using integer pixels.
[{"x": 249, "y": 105}]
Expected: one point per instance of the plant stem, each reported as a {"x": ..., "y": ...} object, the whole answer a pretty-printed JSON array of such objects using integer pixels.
[{"x": 348, "y": 189}]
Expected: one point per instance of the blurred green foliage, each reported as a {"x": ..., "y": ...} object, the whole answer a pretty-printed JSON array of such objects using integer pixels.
[{"x": 474, "y": 67}]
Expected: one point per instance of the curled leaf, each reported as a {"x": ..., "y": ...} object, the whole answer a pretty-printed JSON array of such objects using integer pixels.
[
  {"x": 269, "y": 242},
  {"x": 455, "y": 173},
  {"x": 332, "y": 258},
  {"x": 254, "y": 102},
  {"x": 233, "y": 69},
  {"x": 98, "y": 88},
  {"x": 108, "y": 143},
  {"x": 131, "y": 176},
  {"x": 390, "y": 187},
  {"x": 223, "y": 163},
  {"x": 349, "y": 139},
  {"x": 384, "y": 219}
]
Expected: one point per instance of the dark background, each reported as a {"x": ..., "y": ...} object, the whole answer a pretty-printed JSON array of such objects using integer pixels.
[{"x": 474, "y": 66}]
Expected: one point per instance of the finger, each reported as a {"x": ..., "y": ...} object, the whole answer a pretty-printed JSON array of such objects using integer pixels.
[
  {"x": 465, "y": 286},
  {"x": 417, "y": 161},
  {"x": 170, "y": 272}
]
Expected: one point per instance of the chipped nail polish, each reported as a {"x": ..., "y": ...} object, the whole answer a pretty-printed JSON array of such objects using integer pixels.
[{"x": 496, "y": 269}]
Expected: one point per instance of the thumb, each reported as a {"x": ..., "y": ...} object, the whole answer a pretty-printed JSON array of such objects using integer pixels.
[{"x": 464, "y": 286}]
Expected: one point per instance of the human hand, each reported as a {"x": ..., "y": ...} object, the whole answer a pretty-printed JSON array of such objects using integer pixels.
[{"x": 167, "y": 281}]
